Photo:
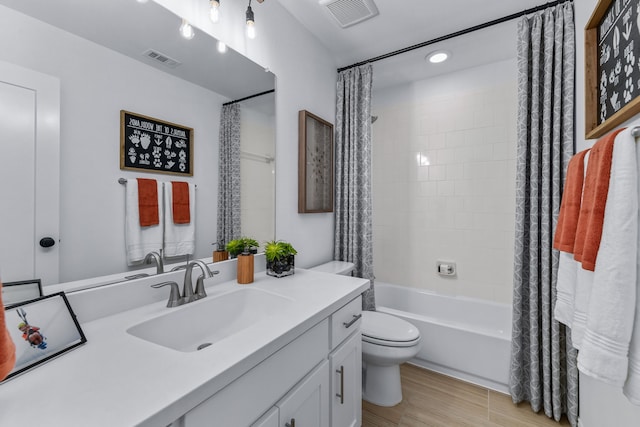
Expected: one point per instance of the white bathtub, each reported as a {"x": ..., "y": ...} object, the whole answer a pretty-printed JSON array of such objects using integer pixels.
[{"x": 466, "y": 338}]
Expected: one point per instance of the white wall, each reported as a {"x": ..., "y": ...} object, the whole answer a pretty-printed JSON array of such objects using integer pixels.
[
  {"x": 461, "y": 205},
  {"x": 306, "y": 80},
  {"x": 96, "y": 83},
  {"x": 600, "y": 404}
]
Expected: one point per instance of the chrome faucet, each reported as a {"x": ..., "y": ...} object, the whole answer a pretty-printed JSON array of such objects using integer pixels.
[
  {"x": 158, "y": 260},
  {"x": 174, "y": 297},
  {"x": 187, "y": 291}
]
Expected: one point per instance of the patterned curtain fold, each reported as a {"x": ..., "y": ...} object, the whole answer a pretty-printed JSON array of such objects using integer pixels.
[
  {"x": 543, "y": 361},
  {"x": 229, "y": 175},
  {"x": 353, "y": 207}
]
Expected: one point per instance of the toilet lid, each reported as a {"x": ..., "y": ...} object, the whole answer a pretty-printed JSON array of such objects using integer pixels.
[{"x": 385, "y": 329}]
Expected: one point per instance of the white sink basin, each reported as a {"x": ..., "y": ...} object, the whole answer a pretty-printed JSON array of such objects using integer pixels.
[{"x": 197, "y": 325}]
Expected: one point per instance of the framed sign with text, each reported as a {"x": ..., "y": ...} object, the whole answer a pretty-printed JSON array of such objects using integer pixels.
[
  {"x": 612, "y": 66},
  {"x": 152, "y": 145}
]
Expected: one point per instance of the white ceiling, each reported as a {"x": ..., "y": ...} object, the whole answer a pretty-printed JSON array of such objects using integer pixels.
[{"x": 403, "y": 23}]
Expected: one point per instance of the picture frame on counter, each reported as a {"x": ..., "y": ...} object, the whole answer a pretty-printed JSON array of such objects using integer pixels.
[
  {"x": 42, "y": 329},
  {"x": 24, "y": 290}
]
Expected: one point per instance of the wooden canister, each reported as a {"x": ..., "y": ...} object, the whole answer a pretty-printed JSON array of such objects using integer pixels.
[
  {"x": 220, "y": 256},
  {"x": 245, "y": 269}
]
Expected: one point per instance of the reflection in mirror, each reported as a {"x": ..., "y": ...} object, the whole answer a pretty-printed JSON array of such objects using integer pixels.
[
  {"x": 102, "y": 71},
  {"x": 15, "y": 292}
]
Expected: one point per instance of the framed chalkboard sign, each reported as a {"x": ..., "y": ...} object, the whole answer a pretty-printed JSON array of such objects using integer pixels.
[
  {"x": 152, "y": 145},
  {"x": 612, "y": 65}
]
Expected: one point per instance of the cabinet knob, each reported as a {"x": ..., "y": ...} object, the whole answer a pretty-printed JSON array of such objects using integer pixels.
[
  {"x": 47, "y": 242},
  {"x": 292, "y": 423}
]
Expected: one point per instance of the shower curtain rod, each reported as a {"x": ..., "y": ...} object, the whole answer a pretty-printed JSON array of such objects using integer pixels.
[
  {"x": 456, "y": 34},
  {"x": 249, "y": 97}
]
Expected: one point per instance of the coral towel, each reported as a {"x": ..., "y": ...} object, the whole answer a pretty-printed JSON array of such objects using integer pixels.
[
  {"x": 7, "y": 347},
  {"x": 605, "y": 345},
  {"x": 148, "y": 202},
  {"x": 565, "y": 236},
  {"x": 181, "y": 211},
  {"x": 594, "y": 198}
]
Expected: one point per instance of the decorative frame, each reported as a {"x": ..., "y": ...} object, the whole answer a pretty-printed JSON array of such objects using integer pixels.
[
  {"x": 17, "y": 292},
  {"x": 612, "y": 48},
  {"x": 315, "y": 164},
  {"x": 42, "y": 329},
  {"x": 152, "y": 145}
]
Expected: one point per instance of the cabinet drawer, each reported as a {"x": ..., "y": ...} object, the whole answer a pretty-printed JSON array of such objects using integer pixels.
[{"x": 345, "y": 321}]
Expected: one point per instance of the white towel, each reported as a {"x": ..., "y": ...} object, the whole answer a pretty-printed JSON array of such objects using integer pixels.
[
  {"x": 584, "y": 283},
  {"x": 179, "y": 239},
  {"x": 140, "y": 240},
  {"x": 632, "y": 385},
  {"x": 610, "y": 314},
  {"x": 566, "y": 289}
]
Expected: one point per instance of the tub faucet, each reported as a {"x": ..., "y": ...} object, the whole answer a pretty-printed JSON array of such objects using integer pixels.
[
  {"x": 155, "y": 256},
  {"x": 187, "y": 291}
]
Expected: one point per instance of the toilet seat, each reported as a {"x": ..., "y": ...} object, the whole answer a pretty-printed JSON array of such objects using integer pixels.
[{"x": 387, "y": 330}]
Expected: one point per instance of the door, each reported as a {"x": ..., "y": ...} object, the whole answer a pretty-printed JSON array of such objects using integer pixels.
[
  {"x": 307, "y": 405},
  {"x": 346, "y": 387},
  {"x": 29, "y": 174}
]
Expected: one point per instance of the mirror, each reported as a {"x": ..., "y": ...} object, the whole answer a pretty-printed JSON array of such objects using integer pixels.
[{"x": 101, "y": 52}]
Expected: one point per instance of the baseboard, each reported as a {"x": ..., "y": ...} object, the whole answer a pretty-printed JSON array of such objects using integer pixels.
[{"x": 463, "y": 376}]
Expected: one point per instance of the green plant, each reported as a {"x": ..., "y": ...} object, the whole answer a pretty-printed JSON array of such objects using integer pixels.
[
  {"x": 278, "y": 250},
  {"x": 243, "y": 245}
]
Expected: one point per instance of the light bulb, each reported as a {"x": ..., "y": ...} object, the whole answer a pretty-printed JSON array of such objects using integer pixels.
[
  {"x": 251, "y": 23},
  {"x": 438, "y": 57},
  {"x": 222, "y": 47},
  {"x": 214, "y": 13},
  {"x": 186, "y": 30},
  {"x": 251, "y": 29}
]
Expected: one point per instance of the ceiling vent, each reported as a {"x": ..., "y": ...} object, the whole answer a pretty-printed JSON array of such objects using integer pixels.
[
  {"x": 161, "y": 58},
  {"x": 350, "y": 12}
]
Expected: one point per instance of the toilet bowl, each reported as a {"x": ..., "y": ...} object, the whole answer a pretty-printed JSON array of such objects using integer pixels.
[{"x": 387, "y": 341}]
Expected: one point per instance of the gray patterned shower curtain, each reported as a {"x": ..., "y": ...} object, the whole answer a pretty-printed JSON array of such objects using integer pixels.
[
  {"x": 229, "y": 175},
  {"x": 353, "y": 223},
  {"x": 543, "y": 361}
]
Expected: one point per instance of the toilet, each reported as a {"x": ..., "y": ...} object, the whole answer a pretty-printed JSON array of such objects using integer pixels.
[{"x": 387, "y": 341}]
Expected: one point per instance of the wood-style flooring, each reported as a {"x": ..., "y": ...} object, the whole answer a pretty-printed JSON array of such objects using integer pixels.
[{"x": 435, "y": 400}]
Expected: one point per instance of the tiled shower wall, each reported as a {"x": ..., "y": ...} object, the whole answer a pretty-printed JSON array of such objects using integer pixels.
[{"x": 444, "y": 182}]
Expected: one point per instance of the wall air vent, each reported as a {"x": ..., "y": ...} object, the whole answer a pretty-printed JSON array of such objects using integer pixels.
[
  {"x": 350, "y": 12},
  {"x": 161, "y": 58}
]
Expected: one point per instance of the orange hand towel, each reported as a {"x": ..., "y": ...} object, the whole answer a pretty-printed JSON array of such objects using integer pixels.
[
  {"x": 148, "y": 202},
  {"x": 565, "y": 236},
  {"x": 594, "y": 199},
  {"x": 7, "y": 347},
  {"x": 180, "y": 205}
]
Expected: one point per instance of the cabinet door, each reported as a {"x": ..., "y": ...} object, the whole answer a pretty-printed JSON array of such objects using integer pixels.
[
  {"x": 346, "y": 383},
  {"x": 307, "y": 404}
]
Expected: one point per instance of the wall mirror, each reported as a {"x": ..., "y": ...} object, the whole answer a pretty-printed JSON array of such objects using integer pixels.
[{"x": 126, "y": 55}]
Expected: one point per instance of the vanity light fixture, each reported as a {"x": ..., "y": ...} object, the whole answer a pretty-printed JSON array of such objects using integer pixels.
[
  {"x": 251, "y": 23},
  {"x": 214, "y": 12},
  {"x": 186, "y": 30},
  {"x": 438, "y": 56},
  {"x": 222, "y": 47}
]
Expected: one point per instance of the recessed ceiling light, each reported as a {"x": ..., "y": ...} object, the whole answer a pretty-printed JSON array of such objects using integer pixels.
[{"x": 438, "y": 56}]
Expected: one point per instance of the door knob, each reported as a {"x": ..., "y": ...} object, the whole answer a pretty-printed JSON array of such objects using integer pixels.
[{"x": 47, "y": 242}]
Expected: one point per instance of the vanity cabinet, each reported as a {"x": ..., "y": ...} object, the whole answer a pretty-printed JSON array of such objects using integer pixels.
[{"x": 297, "y": 385}]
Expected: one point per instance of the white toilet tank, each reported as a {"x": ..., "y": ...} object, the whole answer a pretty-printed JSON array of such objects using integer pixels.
[{"x": 335, "y": 267}]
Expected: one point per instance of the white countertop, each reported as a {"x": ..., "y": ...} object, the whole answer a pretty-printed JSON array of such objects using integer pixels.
[{"x": 116, "y": 379}]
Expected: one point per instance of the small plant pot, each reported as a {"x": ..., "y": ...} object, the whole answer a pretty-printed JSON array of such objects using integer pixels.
[
  {"x": 245, "y": 269},
  {"x": 281, "y": 268}
]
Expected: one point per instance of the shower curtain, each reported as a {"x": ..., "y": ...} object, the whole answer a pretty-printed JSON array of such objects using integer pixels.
[
  {"x": 353, "y": 223},
  {"x": 229, "y": 175},
  {"x": 543, "y": 361}
]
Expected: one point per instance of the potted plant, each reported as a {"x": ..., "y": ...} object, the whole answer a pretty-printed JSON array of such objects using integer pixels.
[
  {"x": 242, "y": 245},
  {"x": 280, "y": 258}
]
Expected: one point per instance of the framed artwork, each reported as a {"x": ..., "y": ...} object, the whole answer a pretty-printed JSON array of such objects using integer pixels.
[
  {"x": 152, "y": 145},
  {"x": 15, "y": 292},
  {"x": 612, "y": 75},
  {"x": 315, "y": 164},
  {"x": 42, "y": 329}
]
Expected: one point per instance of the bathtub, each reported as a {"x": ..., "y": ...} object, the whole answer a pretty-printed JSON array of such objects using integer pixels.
[{"x": 465, "y": 338}]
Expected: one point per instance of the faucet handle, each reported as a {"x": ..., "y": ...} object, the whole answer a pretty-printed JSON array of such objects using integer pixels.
[
  {"x": 200, "y": 292},
  {"x": 174, "y": 296}
]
